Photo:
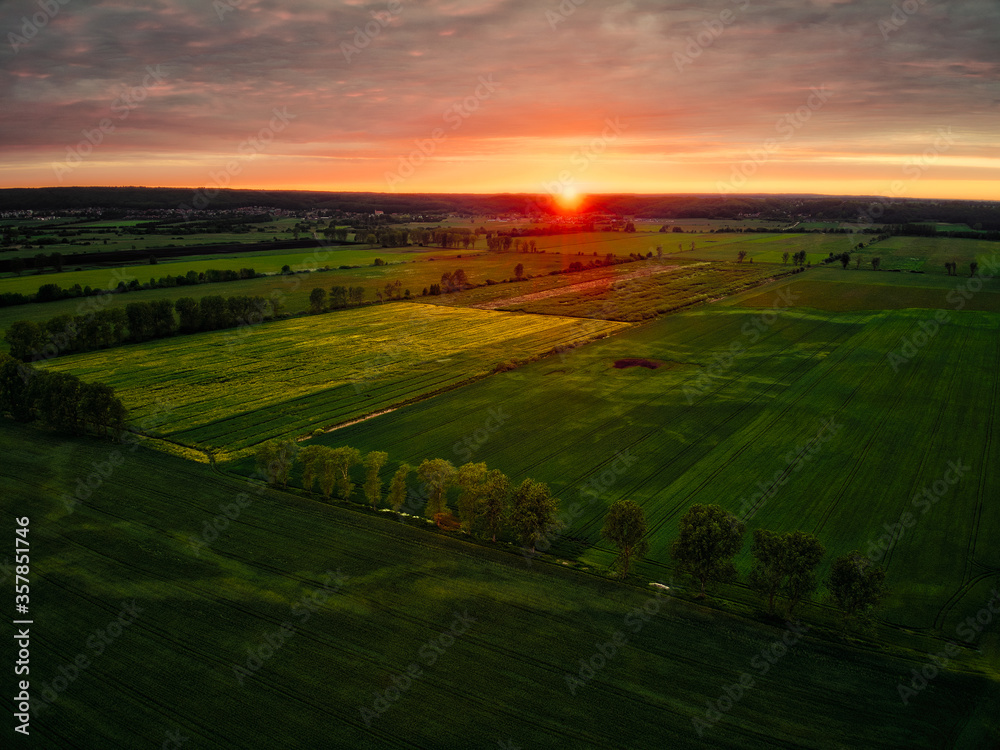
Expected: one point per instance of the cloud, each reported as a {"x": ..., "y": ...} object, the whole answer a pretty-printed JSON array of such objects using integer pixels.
[{"x": 229, "y": 63}]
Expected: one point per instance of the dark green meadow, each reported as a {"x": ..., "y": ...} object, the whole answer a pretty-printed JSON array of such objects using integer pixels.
[{"x": 363, "y": 598}]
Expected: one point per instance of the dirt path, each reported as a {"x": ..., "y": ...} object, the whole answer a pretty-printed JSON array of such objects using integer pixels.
[{"x": 569, "y": 289}]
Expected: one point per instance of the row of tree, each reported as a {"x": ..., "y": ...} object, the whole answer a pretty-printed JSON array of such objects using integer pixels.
[
  {"x": 339, "y": 297},
  {"x": 487, "y": 503},
  {"x": 798, "y": 259},
  {"x": 137, "y": 321},
  {"x": 52, "y": 292},
  {"x": 784, "y": 564},
  {"x": 58, "y": 399}
]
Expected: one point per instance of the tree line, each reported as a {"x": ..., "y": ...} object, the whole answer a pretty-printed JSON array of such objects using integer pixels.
[
  {"x": 487, "y": 503},
  {"x": 58, "y": 399},
  {"x": 784, "y": 563},
  {"x": 137, "y": 321},
  {"x": 52, "y": 292}
]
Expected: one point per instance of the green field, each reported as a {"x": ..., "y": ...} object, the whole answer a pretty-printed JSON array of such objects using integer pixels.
[
  {"x": 712, "y": 441},
  {"x": 230, "y": 390},
  {"x": 376, "y": 593},
  {"x": 929, "y": 254}
]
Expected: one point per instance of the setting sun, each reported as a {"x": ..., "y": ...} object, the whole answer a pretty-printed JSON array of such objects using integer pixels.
[{"x": 569, "y": 199}]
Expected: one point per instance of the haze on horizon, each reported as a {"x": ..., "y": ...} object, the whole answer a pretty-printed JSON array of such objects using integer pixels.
[{"x": 755, "y": 96}]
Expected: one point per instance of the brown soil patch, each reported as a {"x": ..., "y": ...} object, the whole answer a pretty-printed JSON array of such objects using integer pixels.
[{"x": 652, "y": 364}]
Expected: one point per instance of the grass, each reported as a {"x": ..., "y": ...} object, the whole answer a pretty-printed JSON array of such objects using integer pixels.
[
  {"x": 502, "y": 681},
  {"x": 837, "y": 289},
  {"x": 229, "y": 390},
  {"x": 928, "y": 254},
  {"x": 713, "y": 440}
]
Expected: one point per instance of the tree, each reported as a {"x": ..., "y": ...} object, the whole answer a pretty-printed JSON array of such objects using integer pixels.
[
  {"x": 327, "y": 466},
  {"x": 338, "y": 297},
  {"x": 437, "y": 474},
  {"x": 459, "y": 280},
  {"x": 625, "y": 527},
  {"x": 24, "y": 338},
  {"x": 533, "y": 512},
  {"x": 786, "y": 563},
  {"x": 876, "y": 262},
  {"x": 857, "y": 585},
  {"x": 784, "y": 257},
  {"x": 275, "y": 459},
  {"x": 311, "y": 459},
  {"x": 374, "y": 462},
  {"x": 189, "y": 312},
  {"x": 845, "y": 258},
  {"x": 317, "y": 300},
  {"x": 470, "y": 478},
  {"x": 140, "y": 320},
  {"x": 740, "y": 255},
  {"x": 15, "y": 379},
  {"x": 397, "y": 487},
  {"x": 162, "y": 321},
  {"x": 344, "y": 458},
  {"x": 805, "y": 553},
  {"x": 709, "y": 539},
  {"x": 100, "y": 407},
  {"x": 973, "y": 267},
  {"x": 495, "y": 502}
]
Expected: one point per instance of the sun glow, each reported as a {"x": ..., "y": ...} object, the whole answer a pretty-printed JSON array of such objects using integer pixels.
[{"x": 569, "y": 199}]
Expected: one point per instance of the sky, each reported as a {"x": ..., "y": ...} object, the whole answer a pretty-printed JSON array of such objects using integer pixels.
[{"x": 896, "y": 99}]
